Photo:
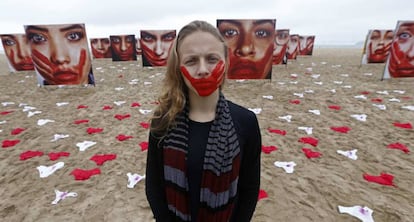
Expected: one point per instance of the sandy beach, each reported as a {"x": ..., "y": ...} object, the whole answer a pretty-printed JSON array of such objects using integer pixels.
[{"x": 332, "y": 81}]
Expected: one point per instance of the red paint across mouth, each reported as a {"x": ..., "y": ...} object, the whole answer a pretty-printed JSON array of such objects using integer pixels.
[{"x": 66, "y": 76}]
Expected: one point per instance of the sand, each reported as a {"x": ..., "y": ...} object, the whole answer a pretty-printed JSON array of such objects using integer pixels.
[{"x": 312, "y": 192}]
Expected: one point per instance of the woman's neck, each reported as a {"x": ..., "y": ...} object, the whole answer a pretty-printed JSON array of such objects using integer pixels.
[{"x": 203, "y": 109}]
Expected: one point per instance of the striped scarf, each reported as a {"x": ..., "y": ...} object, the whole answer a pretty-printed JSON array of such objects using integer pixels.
[{"x": 220, "y": 168}]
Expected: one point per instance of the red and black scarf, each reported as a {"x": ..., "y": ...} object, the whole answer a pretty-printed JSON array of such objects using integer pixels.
[{"x": 220, "y": 168}]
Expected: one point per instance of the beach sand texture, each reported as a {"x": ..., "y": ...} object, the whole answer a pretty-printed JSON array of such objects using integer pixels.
[{"x": 312, "y": 192}]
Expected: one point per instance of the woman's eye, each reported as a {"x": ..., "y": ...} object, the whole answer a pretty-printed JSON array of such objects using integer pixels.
[
  {"x": 37, "y": 38},
  {"x": 213, "y": 60},
  {"x": 116, "y": 40},
  {"x": 9, "y": 42},
  {"x": 262, "y": 33},
  {"x": 169, "y": 37},
  {"x": 230, "y": 32},
  {"x": 190, "y": 62},
  {"x": 148, "y": 39},
  {"x": 74, "y": 36},
  {"x": 405, "y": 35}
]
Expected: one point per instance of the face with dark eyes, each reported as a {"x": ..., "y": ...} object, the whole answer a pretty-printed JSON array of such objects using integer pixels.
[
  {"x": 251, "y": 47},
  {"x": 156, "y": 46},
  {"x": 101, "y": 48},
  {"x": 123, "y": 47},
  {"x": 281, "y": 41},
  {"x": 401, "y": 62},
  {"x": 60, "y": 53},
  {"x": 306, "y": 44},
  {"x": 293, "y": 46},
  {"x": 17, "y": 51},
  {"x": 379, "y": 45}
]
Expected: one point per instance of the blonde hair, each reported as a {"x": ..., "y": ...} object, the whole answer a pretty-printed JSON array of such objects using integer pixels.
[{"x": 174, "y": 91}]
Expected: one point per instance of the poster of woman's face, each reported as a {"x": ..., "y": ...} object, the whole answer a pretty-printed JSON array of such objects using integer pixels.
[
  {"x": 400, "y": 62},
  {"x": 306, "y": 43},
  {"x": 155, "y": 46},
  {"x": 293, "y": 46},
  {"x": 250, "y": 43},
  {"x": 17, "y": 51},
  {"x": 280, "y": 47},
  {"x": 377, "y": 45},
  {"x": 101, "y": 48},
  {"x": 60, "y": 54},
  {"x": 123, "y": 48}
]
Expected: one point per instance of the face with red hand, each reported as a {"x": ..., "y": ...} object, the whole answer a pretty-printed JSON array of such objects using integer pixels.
[
  {"x": 60, "y": 53},
  {"x": 401, "y": 62},
  {"x": 306, "y": 44},
  {"x": 251, "y": 47},
  {"x": 17, "y": 51},
  {"x": 280, "y": 47},
  {"x": 156, "y": 46},
  {"x": 293, "y": 46},
  {"x": 202, "y": 63},
  {"x": 379, "y": 45},
  {"x": 101, "y": 48}
]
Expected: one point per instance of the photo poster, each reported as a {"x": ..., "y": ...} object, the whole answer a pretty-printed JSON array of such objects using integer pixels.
[
  {"x": 293, "y": 47},
  {"x": 400, "y": 61},
  {"x": 60, "y": 53},
  {"x": 123, "y": 47},
  {"x": 280, "y": 47},
  {"x": 377, "y": 46},
  {"x": 156, "y": 45},
  {"x": 17, "y": 50},
  {"x": 251, "y": 43},
  {"x": 306, "y": 43},
  {"x": 101, "y": 48}
]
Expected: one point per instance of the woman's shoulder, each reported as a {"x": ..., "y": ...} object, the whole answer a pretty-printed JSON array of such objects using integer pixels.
[{"x": 241, "y": 114}]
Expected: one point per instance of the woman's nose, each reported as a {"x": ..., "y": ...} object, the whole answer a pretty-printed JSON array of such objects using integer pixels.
[
  {"x": 202, "y": 70},
  {"x": 124, "y": 46},
  {"x": 158, "y": 48},
  {"x": 245, "y": 46},
  {"x": 22, "y": 52},
  {"x": 59, "y": 53}
]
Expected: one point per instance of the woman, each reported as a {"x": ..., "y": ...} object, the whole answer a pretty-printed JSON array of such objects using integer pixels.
[
  {"x": 203, "y": 159},
  {"x": 156, "y": 45},
  {"x": 17, "y": 51},
  {"x": 101, "y": 48},
  {"x": 401, "y": 58},
  {"x": 60, "y": 54},
  {"x": 251, "y": 47},
  {"x": 123, "y": 48}
]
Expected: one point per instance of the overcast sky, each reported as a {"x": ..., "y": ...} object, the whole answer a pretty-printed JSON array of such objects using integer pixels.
[{"x": 331, "y": 21}]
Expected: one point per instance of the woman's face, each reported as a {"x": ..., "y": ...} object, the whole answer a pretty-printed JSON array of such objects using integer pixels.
[
  {"x": 293, "y": 46},
  {"x": 60, "y": 53},
  {"x": 251, "y": 47},
  {"x": 101, "y": 47},
  {"x": 306, "y": 44},
  {"x": 17, "y": 51},
  {"x": 123, "y": 47},
  {"x": 156, "y": 45},
  {"x": 401, "y": 62},
  {"x": 281, "y": 41},
  {"x": 379, "y": 45},
  {"x": 202, "y": 62}
]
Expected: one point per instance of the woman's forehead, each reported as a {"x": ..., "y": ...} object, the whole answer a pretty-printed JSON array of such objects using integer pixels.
[{"x": 200, "y": 42}]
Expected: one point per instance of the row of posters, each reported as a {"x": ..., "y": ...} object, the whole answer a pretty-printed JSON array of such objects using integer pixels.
[
  {"x": 61, "y": 53},
  {"x": 395, "y": 48}
]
